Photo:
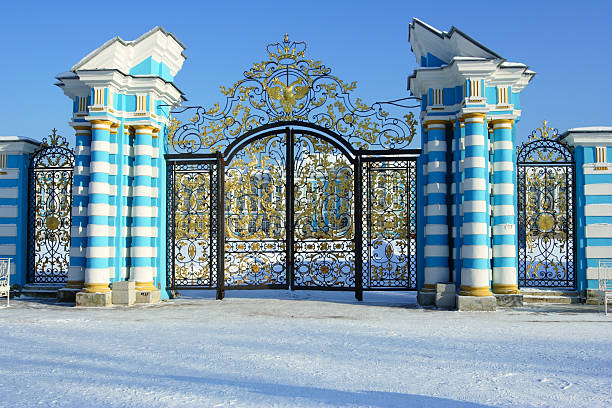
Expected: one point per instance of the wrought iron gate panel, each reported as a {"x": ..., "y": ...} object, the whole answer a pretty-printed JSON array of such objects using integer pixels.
[
  {"x": 324, "y": 227},
  {"x": 255, "y": 215},
  {"x": 546, "y": 219},
  {"x": 192, "y": 224},
  {"x": 389, "y": 224},
  {"x": 50, "y": 219}
]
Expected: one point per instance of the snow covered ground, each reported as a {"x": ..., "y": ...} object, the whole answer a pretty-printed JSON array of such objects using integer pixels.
[{"x": 302, "y": 349}]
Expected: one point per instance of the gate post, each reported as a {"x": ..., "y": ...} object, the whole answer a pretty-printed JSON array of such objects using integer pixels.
[
  {"x": 593, "y": 203},
  {"x": 14, "y": 163}
]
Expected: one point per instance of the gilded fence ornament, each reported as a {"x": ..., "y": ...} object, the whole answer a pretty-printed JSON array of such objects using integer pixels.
[{"x": 289, "y": 87}]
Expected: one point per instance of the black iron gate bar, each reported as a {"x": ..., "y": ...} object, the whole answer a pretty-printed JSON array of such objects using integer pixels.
[{"x": 217, "y": 234}]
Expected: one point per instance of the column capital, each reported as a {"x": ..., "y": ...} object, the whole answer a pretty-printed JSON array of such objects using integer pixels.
[
  {"x": 430, "y": 122},
  {"x": 101, "y": 122},
  {"x": 114, "y": 127},
  {"x": 474, "y": 117}
]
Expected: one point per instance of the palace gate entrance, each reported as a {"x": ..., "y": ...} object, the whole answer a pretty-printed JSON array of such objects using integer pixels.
[
  {"x": 291, "y": 186},
  {"x": 546, "y": 212}
]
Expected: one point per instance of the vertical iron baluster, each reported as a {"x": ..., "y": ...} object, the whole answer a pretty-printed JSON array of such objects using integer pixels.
[
  {"x": 289, "y": 205},
  {"x": 358, "y": 228},
  {"x": 220, "y": 227}
]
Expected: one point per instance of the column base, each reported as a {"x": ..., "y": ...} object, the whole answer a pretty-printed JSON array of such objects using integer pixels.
[
  {"x": 483, "y": 291},
  {"x": 97, "y": 288},
  {"x": 476, "y": 303},
  {"x": 67, "y": 295},
  {"x": 505, "y": 289},
  {"x": 152, "y": 296},
  {"x": 427, "y": 295},
  {"x": 100, "y": 299},
  {"x": 509, "y": 300},
  {"x": 145, "y": 286}
]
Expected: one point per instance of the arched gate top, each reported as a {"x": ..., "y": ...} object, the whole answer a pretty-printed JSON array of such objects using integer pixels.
[
  {"x": 544, "y": 146},
  {"x": 53, "y": 152},
  {"x": 288, "y": 87}
]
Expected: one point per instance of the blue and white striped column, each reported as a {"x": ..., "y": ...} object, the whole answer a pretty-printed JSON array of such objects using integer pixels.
[
  {"x": 457, "y": 197},
  {"x": 475, "y": 261},
  {"x": 143, "y": 252},
  {"x": 127, "y": 161},
  {"x": 100, "y": 232},
  {"x": 505, "y": 278},
  {"x": 80, "y": 201},
  {"x": 436, "y": 221}
]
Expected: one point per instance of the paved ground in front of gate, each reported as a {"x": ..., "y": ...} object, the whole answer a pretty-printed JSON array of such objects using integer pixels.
[{"x": 306, "y": 349}]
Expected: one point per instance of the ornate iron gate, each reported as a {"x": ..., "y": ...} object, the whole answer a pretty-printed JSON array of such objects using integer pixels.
[
  {"x": 546, "y": 219},
  {"x": 50, "y": 215},
  {"x": 291, "y": 185}
]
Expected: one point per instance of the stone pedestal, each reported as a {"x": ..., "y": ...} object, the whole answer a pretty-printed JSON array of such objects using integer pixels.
[
  {"x": 151, "y": 296},
  {"x": 509, "y": 300},
  {"x": 426, "y": 298},
  {"x": 445, "y": 295},
  {"x": 476, "y": 303},
  {"x": 67, "y": 295},
  {"x": 99, "y": 299},
  {"x": 124, "y": 293}
]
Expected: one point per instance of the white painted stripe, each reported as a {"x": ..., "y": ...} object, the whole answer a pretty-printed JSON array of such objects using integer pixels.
[
  {"x": 140, "y": 170},
  {"x": 474, "y": 228},
  {"x": 503, "y": 189},
  {"x": 103, "y": 167},
  {"x": 593, "y": 273},
  {"x": 454, "y": 233},
  {"x": 505, "y": 275},
  {"x": 8, "y": 211},
  {"x": 11, "y": 174},
  {"x": 80, "y": 191},
  {"x": 503, "y": 166},
  {"x": 598, "y": 189},
  {"x": 598, "y": 251},
  {"x": 100, "y": 252},
  {"x": 436, "y": 188},
  {"x": 9, "y": 192},
  {"x": 504, "y": 229},
  {"x": 81, "y": 150},
  {"x": 143, "y": 252},
  {"x": 435, "y": 209},
  {"x": 475, "y": 251},
  {"x": 142, "y": 231},
  {"x": 503, "y": 145},
  {"x": 143, "y": 150},
  {"x": 453, "y": 189},
  {"x": 502, "y": 125},
  {"x": 8, "y": 249},
  {"x": 436, "y": 229},
  {"x": 453, "y": 210},
  {"x": 8, "y": 230},
  {"x": 474, "y": 184},
  {"x": 78, "y": 231},
  {"x": 96, "y": 187},
  {"x": 436, "y": 146},
  {"x": 99, "y": 275},
  {"x": 95, "y": 230},
  {"x": 506, "y": 209},
  {"x": 436, "y": 166},
  {"x": 143, "y": 211},
  {"x": 474, "y": 140},
  {"x": 94, "y": 209},
  {"x": 81, "y": 170},
  {"x": 140, "y": 191},
  {"x": 504, "y": 251},
  {"x": 103, "y": 146},
  {"x": 477, "y": 278},
  {"x": 475, "y": 162},
  {"x": 478, "y": 206},
  {"x": 600, "y": 230},
  {"x": 79, "y": 211},
  {"x": 77, "y": 252},
  {"x": 598, "y": 210}
]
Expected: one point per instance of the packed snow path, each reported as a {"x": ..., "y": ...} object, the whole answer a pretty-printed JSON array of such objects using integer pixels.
[{"x": 302, "y": 349}]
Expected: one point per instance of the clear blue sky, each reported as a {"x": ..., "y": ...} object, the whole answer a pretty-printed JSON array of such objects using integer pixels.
[{"x": 568, "y": 44}]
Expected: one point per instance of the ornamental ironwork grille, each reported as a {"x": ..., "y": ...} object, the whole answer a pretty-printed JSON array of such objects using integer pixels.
[
  {"x": 291, "y": 185},
  {"x": 50, "y": 215},
  {"x": 546, "y": 218}
]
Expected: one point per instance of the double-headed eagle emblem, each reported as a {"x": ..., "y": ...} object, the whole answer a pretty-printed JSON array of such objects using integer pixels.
[{"x": 288, "y": 95}]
